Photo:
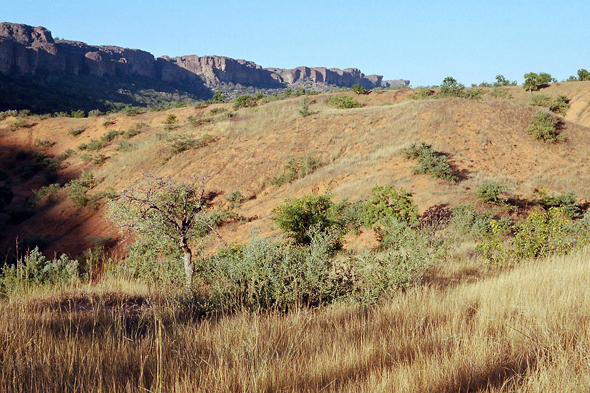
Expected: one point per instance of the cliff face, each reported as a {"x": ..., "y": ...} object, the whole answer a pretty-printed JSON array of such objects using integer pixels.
[{"x": 26, "y": 50}]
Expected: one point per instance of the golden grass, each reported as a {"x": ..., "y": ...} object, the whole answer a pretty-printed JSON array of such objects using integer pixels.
[{"x": 525, "y": 330}]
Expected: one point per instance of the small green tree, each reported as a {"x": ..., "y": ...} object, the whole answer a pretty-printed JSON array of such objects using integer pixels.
[
  {"x": 544, "y": 126},
  {"x": 218, "y": 98},
  {"x": 502, "y": 81},
  {"x": 359, "y": 89},
  {"x": 583, "y": 75},
  {"x": 163, "y": 207},
  {"x": 451, "y": 88}
]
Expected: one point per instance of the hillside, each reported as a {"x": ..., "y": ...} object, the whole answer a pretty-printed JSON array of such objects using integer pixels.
[{"x": 484, "y": 140}]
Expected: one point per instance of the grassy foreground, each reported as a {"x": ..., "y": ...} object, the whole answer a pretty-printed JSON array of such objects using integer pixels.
[{"x": 525, "y": 330}]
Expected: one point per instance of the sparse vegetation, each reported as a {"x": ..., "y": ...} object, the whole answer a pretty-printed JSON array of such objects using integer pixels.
[
  {"x": 244, "y": 101},
  {"x": 559, "y": 104},
  {"x": 491, "y": 192},
  {"x": 304, "y": 107},
  {"x": 76, "y": 131},
  {"x": 297, "y": 168}
]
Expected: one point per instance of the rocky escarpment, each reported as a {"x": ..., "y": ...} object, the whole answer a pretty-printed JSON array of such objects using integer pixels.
[{"x": 26, "y": 50}]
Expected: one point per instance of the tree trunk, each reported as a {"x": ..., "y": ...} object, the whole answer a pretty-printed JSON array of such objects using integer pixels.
[{"x": 189, "y": 266}]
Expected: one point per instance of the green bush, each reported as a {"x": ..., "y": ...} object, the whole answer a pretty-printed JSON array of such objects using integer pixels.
[
  {"x": 386, "y": 203},
  {"x": 430, "y": 161},
  {"x": 244, "y": 101},
  {"x": 110, "y": 136},
  {"x": 181, "y": 144},
  {"x": 583, "y": 75},
  {"x": 297, "y": 168},
  {"x": 491, "y": 192},
  {"x": 542, "y": 234},
  {"x": 559, "y": 104},
  {"x": 544, "y": 126},
  {"x": 304, "y": 107},
  {"x": 343, "y": 102},
  {"x": 35, "y": 270},
  {"x": 421, "y": 93},
  {"x": 20, "y": 123},
  {"x": 79, "y": 189},
  {"x": 358, "y": 89},
  {"x": 78, "y": 114},
  {"x": 502, "y": 81},
  {"x": 218, "y": 98},
  {"x": 451, "y": 88},
  {"x": 76, "y": 131},
  {"x": 298, "y": 216},
  {"x": 49, "y": 191},
  {"x": 568, "y": 202},
  {"x": 502, "y": 94},
  {"x": 534, "y": 81}
]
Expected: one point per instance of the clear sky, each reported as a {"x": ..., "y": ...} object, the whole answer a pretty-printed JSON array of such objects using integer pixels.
[{"x": 420, "y": 40}]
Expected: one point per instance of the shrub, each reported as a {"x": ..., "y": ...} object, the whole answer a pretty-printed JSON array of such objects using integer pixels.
[
  {"x": 110, "y": 136},
  {"x": 235, "y": 199},
  {"x": 200, "y": 119},
  {"x": 217, "y": 111},
  {"x": 343, "y": 102},
  {"x": 99, "y": 159},
  {"x": 430, "y": 162},
  {"x": 109, "y": 122},
  {"x": 304, "y": 107},
  {"x": 244, "y": 101},
  {"x": 49, "y": 191},
  {"x": 542, "y": 234},
  {"x": 76, "y": 131},
  {"x": 450, "y": 88},
  {"x": 35, "y": 270},
  {"x": 94, "y": 145},
  {"x": 218, "y": 98},
  {"x": 44, "y": 143},
  {"x": 79, "y": 189},
  {"x": 78, "y": 114},
  {"x": 583, "y": 75},
  {"x": 568, "y": 202},
  {"x": 491, "y": 191},
  {"x": 386, "y": 203},
  {"x": 559, "y": 104},
  {"x": 20, "y": 123},
  {"x": 125, "y": 146},
  {"x": 185, "y": 143},
  {"x": 421, "y": 93},
  {"x": 534, "y": 81},
  {"x": 502, "y": 81},
  {"x": 8, "y": 113},
  {"x": 544, "y": 126},
  {"x": 499, "y": 93},
  {"x": 358, "y": 89},
  {"x": 298, "y": 216},
  {"x": 95, "y": 112},
  {"x": 297, "y": 168}
]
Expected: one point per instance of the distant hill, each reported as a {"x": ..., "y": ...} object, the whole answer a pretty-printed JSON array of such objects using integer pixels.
[{"x": 47, "y": 75}]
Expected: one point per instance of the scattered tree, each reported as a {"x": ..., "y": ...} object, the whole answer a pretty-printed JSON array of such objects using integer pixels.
[
  {"x": 583, "y": 75},
  {"x": 502, "y": 81},
  {"x": 163, "y": 207}
]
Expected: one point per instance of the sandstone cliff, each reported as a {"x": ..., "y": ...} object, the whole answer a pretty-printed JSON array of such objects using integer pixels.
[{"x": 27, "y": 50}]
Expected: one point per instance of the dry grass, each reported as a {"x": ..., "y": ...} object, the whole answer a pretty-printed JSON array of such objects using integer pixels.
[{"x": 525, "y": 330}]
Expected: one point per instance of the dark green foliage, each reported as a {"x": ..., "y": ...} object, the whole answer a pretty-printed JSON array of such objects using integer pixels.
[
  {"x": 451, "y": 88},
  {"x": 358, "y": 89},
  {"x": 49, "y": 191},
  {"x": 491, "y": 192},
  {"x": 297, "y": 168},
  {"x": 559, "y": 104},
  {"x": 544, "y": 126},
  {"x": 568, "y": 202},
  {"x": 79, "y": 189},
  {"x": 78, "y": 113},
  {"x": 502, "y": 81},
  {"x": 218, "y": 98},
  {"x": 343, "y": 102},
  {"x": 583, "y": 75},
  {"x": 134, "y": 130},
  {"x": 244, "y": 101},
  {"x": 469, "y": 223},
  {"x": 534, "y": 81},
  {"x": 298, "y": 216},
  {"x": 386, "y": 203},
  {"x": 92, "y": 145},
  {"x": 430, "y": 162}
]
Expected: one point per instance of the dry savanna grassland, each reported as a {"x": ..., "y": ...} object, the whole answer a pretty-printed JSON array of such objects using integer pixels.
[{"x": 410, "y": 242}]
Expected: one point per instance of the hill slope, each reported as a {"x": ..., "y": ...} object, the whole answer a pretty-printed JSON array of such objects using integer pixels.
[{"x": 358, "y": 147}]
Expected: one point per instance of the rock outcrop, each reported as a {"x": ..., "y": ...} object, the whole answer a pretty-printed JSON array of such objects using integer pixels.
[{"x": 27, "y": 50}]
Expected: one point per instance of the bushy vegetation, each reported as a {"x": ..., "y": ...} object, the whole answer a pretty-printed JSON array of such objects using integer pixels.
[
  {"x": 297, "y": 168},
  {"x": 430, "y": 161},
  {"x": 304, "y": 110},
  {"x": 544, "y": 126},
  {"x": 491, "y": 192},
  {"x": 534, "y": 81},
  {"x": 245, "y": 101},
  {"x": 559, "y": 104},
  {"x": 343, "y": 102}
]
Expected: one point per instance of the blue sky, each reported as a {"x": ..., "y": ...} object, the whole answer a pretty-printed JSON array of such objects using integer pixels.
[{"x": 421, "y": 40}]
